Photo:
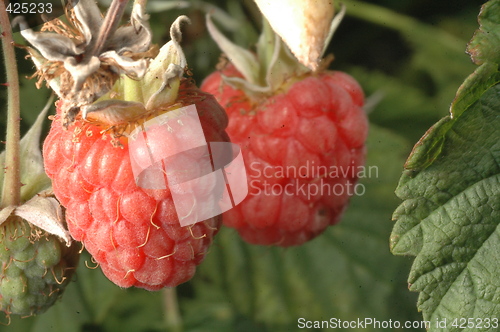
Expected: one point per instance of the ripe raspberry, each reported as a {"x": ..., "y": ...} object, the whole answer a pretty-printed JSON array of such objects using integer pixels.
[
  {"x": 112, "y": 82},
  {"x": 133, "y": 233},
  {"x": 302, "y": 147},
  {"x": 36, "y": 268}
]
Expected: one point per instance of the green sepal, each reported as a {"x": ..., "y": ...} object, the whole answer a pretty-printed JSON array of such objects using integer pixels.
[
  {"x": 265, "y": 71},
  {"x": 279, "y": 62},
  {"x": 244, "y": 60},
  {"x": 161, "y": 81}
]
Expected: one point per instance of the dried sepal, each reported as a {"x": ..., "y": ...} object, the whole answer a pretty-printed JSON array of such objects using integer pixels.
[
  {"x": 113, "y": 112},
  {"x": 5, "y": 213},
  {"x": 132, "y": 100},
  {"x": 122, "y": 42},
  {"x": 65, "y": 57},
  {"x": 88, "y": 18},
  {"x": 45, "y": 212},
  {"x": 117, "y": 87},
  {"x": 53, "y": 47}
]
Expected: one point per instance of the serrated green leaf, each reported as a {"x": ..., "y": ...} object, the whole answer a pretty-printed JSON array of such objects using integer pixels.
[
  {"x": 33, "y": 174},
  {"x": 485, "y": 45},
  {"x": 337, "y": 275},
  {"x": 429, "y": 147},
  {"x": 484, "y": 77},
  {"x": 449, "y": 219}
]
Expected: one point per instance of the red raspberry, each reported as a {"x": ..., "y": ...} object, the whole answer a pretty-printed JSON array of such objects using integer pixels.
[
  {"x": 133, "y": 233},
  {"x": 302, "y": 147},
  {"x": 119, "y": 194}
]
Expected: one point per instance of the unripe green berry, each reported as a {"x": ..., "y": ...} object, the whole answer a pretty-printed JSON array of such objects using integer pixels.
[{"x": 35, "y": 268}]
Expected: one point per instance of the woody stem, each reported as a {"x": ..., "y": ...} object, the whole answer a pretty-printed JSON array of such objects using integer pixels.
[{"x": 11, "y": 191}]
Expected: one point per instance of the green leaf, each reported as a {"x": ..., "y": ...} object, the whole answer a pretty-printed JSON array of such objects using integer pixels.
[
  {"x": 346, "y": 273},
  {"x": 485, "y": 45},
  {"x": 33, "y": 174},
  {"x": 429, "y": 147},
  {"x": 475, "y": 85},
  {"x": 450, "y": 215}
]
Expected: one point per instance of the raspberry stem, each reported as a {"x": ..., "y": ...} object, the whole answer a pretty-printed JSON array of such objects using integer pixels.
[
  {"x": 11, "y": 191},
  {"x": 172, "y": 313}
]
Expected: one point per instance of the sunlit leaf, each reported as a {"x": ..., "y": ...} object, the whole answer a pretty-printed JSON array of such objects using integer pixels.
[
  {"x": 450, "y": 215},
  {"x": 485, "y": 46}
]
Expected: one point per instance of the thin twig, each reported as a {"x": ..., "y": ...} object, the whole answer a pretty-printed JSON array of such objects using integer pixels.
[
  {"x": 11, "y": 191},
  {"x": 172, "y": 312}
]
